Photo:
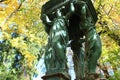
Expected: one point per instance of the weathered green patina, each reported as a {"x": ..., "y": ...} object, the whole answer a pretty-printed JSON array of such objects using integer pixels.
[{"x": 73, "y": 20}]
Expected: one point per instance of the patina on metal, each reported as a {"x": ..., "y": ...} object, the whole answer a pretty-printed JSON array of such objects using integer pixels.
[{"x": 73, "y": 20}]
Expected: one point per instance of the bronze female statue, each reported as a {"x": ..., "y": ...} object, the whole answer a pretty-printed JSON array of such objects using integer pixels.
[{"x": 73, "y": 20}]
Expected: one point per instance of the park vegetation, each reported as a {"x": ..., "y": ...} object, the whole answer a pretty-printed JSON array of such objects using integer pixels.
[{"x": 23, "y": 39}]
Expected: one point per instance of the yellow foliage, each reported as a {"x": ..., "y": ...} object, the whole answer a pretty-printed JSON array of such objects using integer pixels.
[
  {"x": 11, "y": 6},
  {"x": 29, "y": 58},
  {"x": 1, "y": 36},
  {"x": 6, "y": 35},
  {"x": 20, "y": 44},
  {"x": 108, "y": 45}
]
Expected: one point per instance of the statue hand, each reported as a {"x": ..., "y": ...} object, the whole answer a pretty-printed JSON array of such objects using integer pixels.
[
  {"x": 47, "y": 19},
  {"x": 58, "y": 13},
  {"x": 72, "y": 10}
]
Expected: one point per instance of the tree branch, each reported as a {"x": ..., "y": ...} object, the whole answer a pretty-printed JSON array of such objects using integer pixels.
[
  {"x": 2, "y": 0},
  {"x": 111, "y": 33},
  {"x": 11, "y": 14}
]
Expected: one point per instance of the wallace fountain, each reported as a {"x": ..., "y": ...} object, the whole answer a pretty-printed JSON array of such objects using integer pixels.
[{"x": 70, "y": 21}]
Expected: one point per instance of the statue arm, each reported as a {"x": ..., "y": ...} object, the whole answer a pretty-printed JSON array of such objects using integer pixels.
[
  {"x": 47, "y": 15},
  {"x": 72, "y": 10},
  {"x": 46, "y": 21}
]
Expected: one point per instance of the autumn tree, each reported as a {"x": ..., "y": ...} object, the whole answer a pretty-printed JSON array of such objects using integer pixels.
[
  {"x": 22, "y": 35},
  {"x": 22, "y": 38}
]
